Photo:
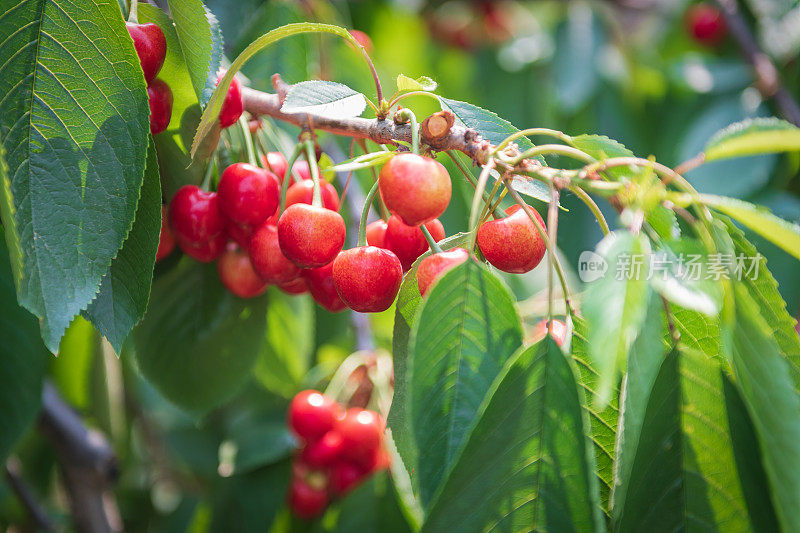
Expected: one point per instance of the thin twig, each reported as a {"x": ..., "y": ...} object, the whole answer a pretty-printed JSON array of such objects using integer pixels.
[{"x": 37, "y": 513}]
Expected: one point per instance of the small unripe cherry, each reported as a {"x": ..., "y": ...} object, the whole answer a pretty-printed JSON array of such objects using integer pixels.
[
  {"x": 159, "y": 98},
  {"x": 408, "y": 242},
  {"x": 296, "y": 286},
  {"x": 302, "y": 192},
  {"x": 276, "y": 162},
  {"x": 706, "y": 24},
  {"x": 435, "y": 266},
  {"x": 512, "y": 244},
  {"x": 367, "y": 278},
  {"x": 312, "y": 415},
  {"x": 323, "y": 289},
  {"x": 151, "y": 47},
  {"x": 233, "y": 105},
  {"x": 324, "y": 452},
  {"x": 310, "y": 236},
  {"x": 305, "y": 501},
  {"x": 248, "y": 194},
  {"x": 166, "y": 239},
  {"x": 376, "y": 234},
  {"x": 205, "y": 251},
  {"x": 415, "y": 188},
  {"x": 268, "y": 259},
  {"x": 362, "y": 433},
  {"x": 195, "y": 216},
  {"x": 237, "y": 273},
  {"x": 558, "y": 330}
]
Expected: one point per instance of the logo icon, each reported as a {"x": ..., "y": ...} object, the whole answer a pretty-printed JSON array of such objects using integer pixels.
[{"x": 591, "y": 266}]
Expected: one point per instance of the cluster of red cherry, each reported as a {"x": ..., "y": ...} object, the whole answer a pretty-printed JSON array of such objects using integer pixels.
[
  {"x": 151, "y": 47},
  {"x": 340, "y": 449},
  {"x": 300, "y": 249}
]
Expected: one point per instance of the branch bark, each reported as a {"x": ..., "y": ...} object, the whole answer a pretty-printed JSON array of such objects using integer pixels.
[{"x": 40, "y": 518}]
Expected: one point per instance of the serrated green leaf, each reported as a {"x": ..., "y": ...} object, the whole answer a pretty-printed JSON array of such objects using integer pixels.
[
  {"x": 683, "y": 275},
  {"x": 198, "y": 343},
  {"x": 74, "y": 127},
  {"x": 490, "y": 126},
  {"x": 752, "y": 137},
  {"x": 530, "y": 453},
  {"x": 601, "y": 147},
  {"x": 423, "y": 83},
  {"x": 783, "y": 234},
  {"x": 324, "y": 98},
  {"x": 125, "y": 289},
  {"x": 466, "y": 329}
]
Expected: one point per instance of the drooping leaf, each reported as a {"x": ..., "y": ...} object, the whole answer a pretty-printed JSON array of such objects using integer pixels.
[
  {"x": 198, "y": 343},
  {"x": 423, "y": 83},
  {"x": 125, "y": 289},
  {"x": 466, "y": 329},
  {"x": 491, "y": 127},
  {"x": 776, "y": 230},
  {"x": 683, "y": 274},
  {"x": 324, "y": 98},
  {"x": 74, "y": 127},
  {"x": 530, "y": 453},
  {"x": 753, "y": 136}
]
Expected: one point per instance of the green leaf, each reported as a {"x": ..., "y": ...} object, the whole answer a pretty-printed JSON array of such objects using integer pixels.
[
  {"x": 490, "y": 126},
  {"x": 783, "y": 234},
  {"x": 198, "y": 343},
  {"x": 71, "y": 371},
  {"x": 615, "y": 305},
  {"x": 683, "y": 274},
  {"x": 125, "y": 289},
  {"x": 324, "y": 98},
  {"x": 214, "y": 105},
  {"x": 527, "y": 464},
  {"x": 199, "y": 43},
  {"x": 423, "y": 83},
  {"x": 601, "y": 147},
  {"x": 753, "y": 136},
  {"x": 766, "y": 386},
  {"x": 74, "y": 127},
  {"x": 259, "y": 439},
  {"x": 23, "y": 362},
  {"x": 250, "y": 502},
  {"x": 371, "y": 506},
  {"x": 467, "y": 327}
]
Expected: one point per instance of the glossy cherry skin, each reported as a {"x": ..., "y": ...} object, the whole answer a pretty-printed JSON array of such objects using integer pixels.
[
  {"x": 344, "y": 477},
  {"x": 323, "y": 289},
  {"x": 239, "y": 234},
  {"x": 376, "y": 233},
  {"x": 166, "y": 239},
  {"x": 435, "y": 266},
  {"x": 558, "y": 330},
  {"x": 306, "y": 501},
  {"x": 415, "y": 188},
  {"x": 302, "y": 192},
  {"x": 296, "y": 286},
  {"x": 362, "y": 433},
  {"x": 237, "y": 273},
  {"x": 276, "y": 163},
  {"x": 232, "y": 106},
  {"x": 159, "y": 97},
  {"x": 408, "y": 242},
  {"x": 512, "y": 244},
  {"x": 324, "y": 452},
  {"x": 706, "y": 24},
  {"x": 151, "y": 47},
  {"x": 205, "y": 251},
  {"x": 312, "y": 415},
  {"x": 367, "y": 278},
  {"x": 195, "y": 216},
  {"x": 268, "y": 259},
  {"x": 310, "y": 236},
  {"x": 248, "y": 194}
]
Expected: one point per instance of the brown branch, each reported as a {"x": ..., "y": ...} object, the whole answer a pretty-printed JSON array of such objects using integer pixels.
[
  {"x": 40, "y": 518},
  {"x": 768, "y": 80}
]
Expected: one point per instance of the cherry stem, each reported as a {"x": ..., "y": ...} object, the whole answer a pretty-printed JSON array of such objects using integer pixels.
[
  {"x": 248, "y": 141},
  {"x": 435, "y": 248},
  {"x": 362, "y": 229},
  {"x": 210, "y": 170},
  {"x": 311, "y": 157},
  {"x": 552, "y": 231},
  {"x": 287, "y": 175},
  {"x": 593, "y": 207},
  {"x": 476, "y": 201},
  {"x": 498, "y": 213},
  {"x": 532, "y": 131},
  {"x": 133, "y": 12}
]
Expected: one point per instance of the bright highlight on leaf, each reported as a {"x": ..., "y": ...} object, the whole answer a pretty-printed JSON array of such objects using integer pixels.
[
  {"x": 324, "y": 98},
  {"x": 752, "y": 137},
  {"x": 423, "y": 83}
]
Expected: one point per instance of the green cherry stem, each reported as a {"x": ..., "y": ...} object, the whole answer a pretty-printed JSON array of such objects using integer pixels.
[
  {"x": 593, "y": 207},
  {"x": 435, "y": 248},
  {"x": 133, "y": 12},
  {"x": 248, "y": 142},
  {"x": 476, "y": 201},
  {"x": 533, "y": 131},
  {"x": 362, "y": 228},
  {"x": 409, "y": 115},
  {"x": 311, "y": 157},
  {"x": 285, "y": 185},
  {"x": 552, "y": 232},
  {"x": 498, "y": 213},
  {"x": 209, "y": 171}
]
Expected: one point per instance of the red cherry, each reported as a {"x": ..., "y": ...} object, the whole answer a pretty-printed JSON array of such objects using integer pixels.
[
  {"x": 306, "y": 501},
  {"x": 296, "y": 286},
  {"x": 312, "y": 415},
  {"x": 376, "y": 234},
  {"x": 706, "y": 24},
  {"x": 160, "y": 99},
  {"x": 277, "y": 163},
  {"x": 367, "y": 278},
  {"x": 302, "y": 192},
  {"x": 302, "y": 170},
  {"x": 323, "y": 289},
  {"x": 415, "y": 188},
  {"x": 344, "y": 477},
  {"x": 237, "y": 273},
  {"x": 241, "y": 235},
  {"x": 205, "y": 252},
  {"x": 166, "y": 239},
  {"x": 267, "y": 258},
  {"x": 363, "y": 39},
  {"x": 195, "y": 216},
  {"x": 151, "y": 47},
  {"x": 558, "y": 330},
  {"x": 362, "y": 433},
  {"x": 232, "y": 106},
  {"x": 408, "y": 242},
  {"x": 248, "y": 194},
  {"x": 512, "y": 244},
  {"x": 310, "y": 236},
  {"x": 435, "y": 266},
  {"x": 323, "y": 452}
]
